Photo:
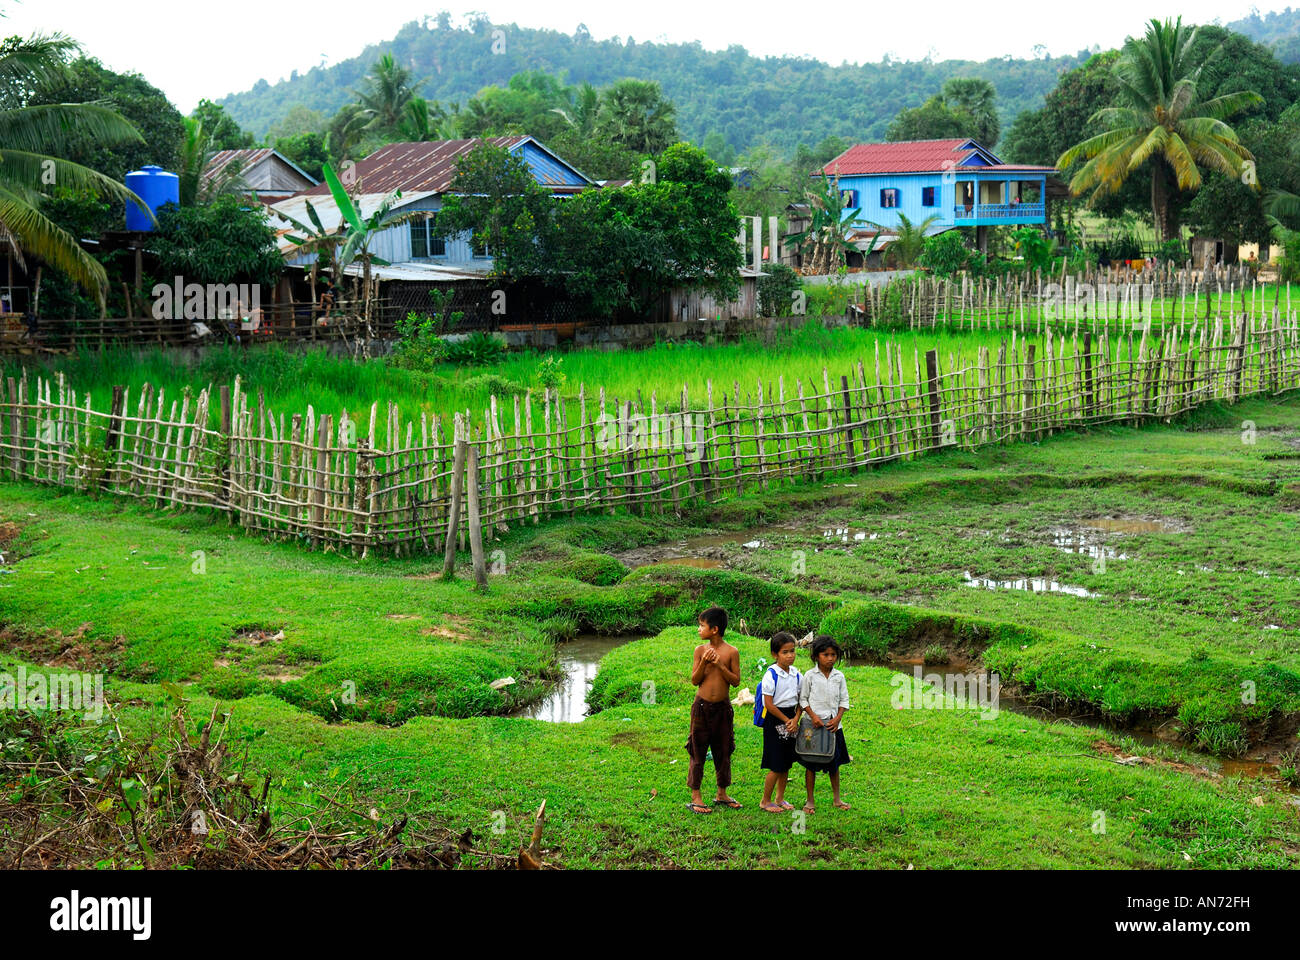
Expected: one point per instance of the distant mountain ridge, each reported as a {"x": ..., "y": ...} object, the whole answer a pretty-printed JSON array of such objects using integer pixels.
[
  {"x": 782, "y": 101},
  {"x": 1279, "y": 30}
]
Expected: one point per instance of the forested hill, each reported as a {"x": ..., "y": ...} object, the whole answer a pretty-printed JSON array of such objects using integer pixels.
[
  {"x": 1280, "y": 30},
  {"x": 749, "y": 100}
]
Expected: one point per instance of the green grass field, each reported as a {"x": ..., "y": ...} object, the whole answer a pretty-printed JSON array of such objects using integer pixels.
[{"x": 183, "y": 598}]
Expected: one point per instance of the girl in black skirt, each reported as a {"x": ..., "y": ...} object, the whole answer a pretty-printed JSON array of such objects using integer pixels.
[
  {"x": 824, "y": 696},
  {"x": 779, "y": 691}
]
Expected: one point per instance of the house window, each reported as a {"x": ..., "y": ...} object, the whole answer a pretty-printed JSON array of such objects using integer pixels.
[
  {"x": 927, "y": 197},
  {"x": 849, "y": 199},
  {"x": 889, "y": 197},
  {"x": 425, "y": 242}
]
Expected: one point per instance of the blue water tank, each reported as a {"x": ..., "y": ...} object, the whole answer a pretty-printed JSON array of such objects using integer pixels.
[{"x": 155, "y": 186}]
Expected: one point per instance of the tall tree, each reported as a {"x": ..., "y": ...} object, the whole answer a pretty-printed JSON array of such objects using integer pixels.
[
  {"x": 966, "y": 107},
  {"x": 1161, "y": 122},
  {"x": 33, "y": 142},
  {"x": 385, "y": 92},
  {"x": 222, "y": 131},
  {"x": 635, "y": 113},
  {"x": 976, "y": 100}
]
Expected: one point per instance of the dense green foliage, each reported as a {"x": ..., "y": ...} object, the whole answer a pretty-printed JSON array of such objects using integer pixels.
[
  {"x": 748, "y": 100},
  {"x": 965, "y": 107},
  {"x": 222, "y": 242},
  {"x": 615, "y": 251}
]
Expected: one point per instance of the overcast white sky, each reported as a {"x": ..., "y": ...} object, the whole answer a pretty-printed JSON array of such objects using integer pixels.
[{"x": 211, "y": 49}]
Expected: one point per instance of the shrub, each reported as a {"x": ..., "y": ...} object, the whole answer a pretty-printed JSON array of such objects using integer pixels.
[
  {"x": 776, "y": 290},
  {"x": 477, "y": 350},
  {"x": 549, "y": 373},
  {"x": 598, "y": 569},
  {"x": 1172, "y": 251},
  {"x": 946, "y": 254},
  {"x": 936, "y": 653}
]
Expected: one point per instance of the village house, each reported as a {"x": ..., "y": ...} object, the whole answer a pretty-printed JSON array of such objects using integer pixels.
[
  {"x": 268, "y": 175},
  {"x": 420, "y": 257},
  {"x": 957, "y": 180}
]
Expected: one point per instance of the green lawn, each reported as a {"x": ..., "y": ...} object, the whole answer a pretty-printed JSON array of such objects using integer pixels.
[{"x": 934, "y": 788}]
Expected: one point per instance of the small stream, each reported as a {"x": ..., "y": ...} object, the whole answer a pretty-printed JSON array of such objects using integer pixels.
[{"x": 579, "y": 659}]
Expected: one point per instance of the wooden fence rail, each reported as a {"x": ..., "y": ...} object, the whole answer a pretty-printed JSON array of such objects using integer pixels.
[{"x": 376, "y": 480}]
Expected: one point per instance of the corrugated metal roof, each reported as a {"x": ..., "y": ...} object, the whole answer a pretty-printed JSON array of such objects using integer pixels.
[
  {"x": 915, "y": 156},
  {"x": 328, "y": 211},
  {"x": 428, "y": 165},
  {"x": 248, "y": 159}
]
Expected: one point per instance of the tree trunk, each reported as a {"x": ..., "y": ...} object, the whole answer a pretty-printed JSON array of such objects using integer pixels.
[{"x": 1166, "y": 222}]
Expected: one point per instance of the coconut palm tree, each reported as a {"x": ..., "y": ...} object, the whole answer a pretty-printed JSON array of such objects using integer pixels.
[
  {"x": 32, "y": 138},
  {"x": 582, "y": 111},
  {"x": 388, "y": 89},
  {"x": 1160, "y": 122}
]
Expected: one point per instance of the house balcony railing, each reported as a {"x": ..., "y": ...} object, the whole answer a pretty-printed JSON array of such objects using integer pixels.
[{"x": 997, "y": 211}]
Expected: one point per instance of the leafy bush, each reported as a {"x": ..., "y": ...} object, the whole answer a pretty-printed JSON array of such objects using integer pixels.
[
  {"x": 496, "y": 384},
  {"x": 598, "y": 569},
  {"x": 478, "y": 349},
  {"x": 549, "y": 373},
  {"x": 1033, "y": 247},
  {"x": 1288, "y": 264},
  {"x": 418, "y": 346},
  {"x": 946, "y": 254},
  {"x": 776, "y": 290},
  {"x": 1172, "y": 251}
]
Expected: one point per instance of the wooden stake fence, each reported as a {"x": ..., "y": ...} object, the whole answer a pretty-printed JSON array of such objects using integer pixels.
[{"x": 377, "y": 482}]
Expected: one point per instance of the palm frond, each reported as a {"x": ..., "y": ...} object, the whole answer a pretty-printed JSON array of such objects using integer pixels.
[
  {"x": 42, "y": 237},
  {"x": 51, "y": 128}
]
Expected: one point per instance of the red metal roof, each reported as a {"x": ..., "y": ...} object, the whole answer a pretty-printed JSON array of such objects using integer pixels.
[
  {"x": 411, "y": 167},
  {"x": 911, "y": 156}
]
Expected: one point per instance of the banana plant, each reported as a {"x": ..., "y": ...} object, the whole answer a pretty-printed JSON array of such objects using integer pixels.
[
  {"x": 825, "y": 234},
  {"x": 360, "y": 231}
]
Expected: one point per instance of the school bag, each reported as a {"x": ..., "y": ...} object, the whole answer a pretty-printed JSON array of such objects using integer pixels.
[
  {"x": 760, "y": 701},
  {"x": 814, "y": 743}
]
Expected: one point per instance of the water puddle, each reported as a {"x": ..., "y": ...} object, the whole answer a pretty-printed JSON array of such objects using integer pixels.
[
  {"x": 710, "y": 551},
  {"x": 1031, "y": 584},
  {"x": 1133, "y": 525},
  {"x": 848, "y": 535},
  {"x": 579, "y": 659},
  {"x": 1085, "y": 540}
]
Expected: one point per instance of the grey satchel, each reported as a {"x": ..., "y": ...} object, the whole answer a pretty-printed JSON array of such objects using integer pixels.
[{"x": 814, "y": 743}]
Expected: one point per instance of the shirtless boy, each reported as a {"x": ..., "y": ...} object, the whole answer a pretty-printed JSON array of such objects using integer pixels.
[{"x": 715, "y": 670}]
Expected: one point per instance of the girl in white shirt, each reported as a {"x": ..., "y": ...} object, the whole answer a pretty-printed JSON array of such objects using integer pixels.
[
  {"x": 780, "y": 693},
  {"x": 824, "y": 696}
]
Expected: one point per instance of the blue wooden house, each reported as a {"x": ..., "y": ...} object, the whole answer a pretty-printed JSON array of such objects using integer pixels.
[{"x": 959, "y": 181}]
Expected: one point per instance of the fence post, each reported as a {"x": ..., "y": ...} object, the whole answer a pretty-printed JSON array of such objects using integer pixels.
[
  {"x": 320, "y": 481},
  {"x": 15, "y": 431},
  {"x": 114, "y": 432},
  {"x": 1026, "y": 414},
  {"x": 475, "y": 530},
  {"x": 1087, "y": 376},
  {"x": 224, "y": 466},
  {"x": 932, "y": 378},
  {"x": 848, "y": 419},
  {"x": 457, "y": 486}
]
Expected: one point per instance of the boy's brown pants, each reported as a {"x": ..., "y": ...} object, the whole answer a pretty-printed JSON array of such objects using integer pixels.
[{"x": 713, "y": 725}]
